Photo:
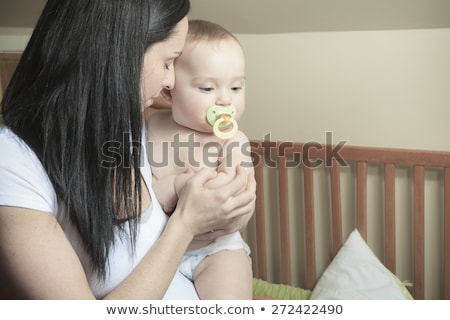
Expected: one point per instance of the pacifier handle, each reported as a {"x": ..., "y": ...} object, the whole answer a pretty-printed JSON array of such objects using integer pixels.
[
  {"x": 224, "y": 135},
  {"x": 222, "y": 117}
]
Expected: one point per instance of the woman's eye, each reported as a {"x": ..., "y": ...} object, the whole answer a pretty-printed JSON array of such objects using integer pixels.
[{"x": 168, "y": 65}]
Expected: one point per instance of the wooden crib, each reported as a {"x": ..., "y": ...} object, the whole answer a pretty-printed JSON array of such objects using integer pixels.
[{"x": 310, "y": 196}]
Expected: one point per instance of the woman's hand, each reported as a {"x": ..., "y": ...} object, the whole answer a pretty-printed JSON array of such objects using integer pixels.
[{"x": 223, "y": 210}]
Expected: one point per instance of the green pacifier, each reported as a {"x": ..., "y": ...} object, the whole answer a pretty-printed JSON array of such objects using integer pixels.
[{"x": 222, "y": 117}]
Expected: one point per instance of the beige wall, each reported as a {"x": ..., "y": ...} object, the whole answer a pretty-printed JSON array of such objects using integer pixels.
[
  {"x": 374, "y": 88},
  {"x": 14, "y": 39}
]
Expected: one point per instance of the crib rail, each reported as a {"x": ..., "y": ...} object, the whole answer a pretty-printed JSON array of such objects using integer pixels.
[{"x": 334, "y": 157}]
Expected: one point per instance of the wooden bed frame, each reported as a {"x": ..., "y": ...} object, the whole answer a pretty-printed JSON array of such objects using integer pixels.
[{"x": 287, "y": 244}]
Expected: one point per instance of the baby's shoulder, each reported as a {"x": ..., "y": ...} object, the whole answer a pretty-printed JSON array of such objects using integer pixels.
[{"x": 239, "y": 138}]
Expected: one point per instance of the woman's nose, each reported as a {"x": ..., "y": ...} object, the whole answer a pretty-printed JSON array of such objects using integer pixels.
[{"x": 169, "y": 80}]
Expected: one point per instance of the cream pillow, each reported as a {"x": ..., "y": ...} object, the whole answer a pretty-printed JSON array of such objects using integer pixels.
[{"x": 356, "y": 274}]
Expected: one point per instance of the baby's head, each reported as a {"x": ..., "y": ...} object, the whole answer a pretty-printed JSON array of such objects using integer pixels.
[{"x": 210, "y": 72}]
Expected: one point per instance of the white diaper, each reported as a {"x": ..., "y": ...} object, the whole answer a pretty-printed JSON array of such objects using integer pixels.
[{"x": 192, "y": 258}]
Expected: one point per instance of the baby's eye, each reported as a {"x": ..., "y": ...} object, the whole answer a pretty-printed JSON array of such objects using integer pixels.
[
  {"x": 206, "y": 89},
  {"x": 236, "y": 89}
]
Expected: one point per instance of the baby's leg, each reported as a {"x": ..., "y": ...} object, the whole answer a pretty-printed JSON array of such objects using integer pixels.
[{"x": 225, "y": 275}]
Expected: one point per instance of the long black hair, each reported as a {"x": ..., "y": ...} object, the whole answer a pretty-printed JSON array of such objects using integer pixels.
[{"x": 76, "y": 89}]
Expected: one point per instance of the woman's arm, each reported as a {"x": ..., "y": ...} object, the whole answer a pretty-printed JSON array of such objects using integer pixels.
[{"x": 38, "y": 262}]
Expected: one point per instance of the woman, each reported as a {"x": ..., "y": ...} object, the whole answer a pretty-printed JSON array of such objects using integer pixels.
[{"x": 77, "y": 216}]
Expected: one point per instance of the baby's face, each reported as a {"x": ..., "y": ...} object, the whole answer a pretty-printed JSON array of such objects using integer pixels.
[{"x": 208, "y": 73}]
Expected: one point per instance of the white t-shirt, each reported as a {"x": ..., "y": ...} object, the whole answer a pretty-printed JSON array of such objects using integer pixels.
[{"x": 24, "y": 183}]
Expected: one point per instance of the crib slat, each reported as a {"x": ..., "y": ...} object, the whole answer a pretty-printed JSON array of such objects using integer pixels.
[
  {"x": 361, "y": 198},
  {"x": 390, "y": 158},
  {"x": 284, "y": 220},
  {"x": 260, "y": 222},
  {"x": 336, "y": 205},
  {"x": 389, "y": 216},
  {"x": 419, "y": 240},
  {"x": 308, "y": 181},
  {"x": 446, "y": 294}
]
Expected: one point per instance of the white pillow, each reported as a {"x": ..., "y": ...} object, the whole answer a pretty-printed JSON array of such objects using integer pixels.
[{"x": 356, "y": 274}]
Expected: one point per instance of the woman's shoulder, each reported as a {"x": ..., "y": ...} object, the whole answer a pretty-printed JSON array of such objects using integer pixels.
[
  {"x": 23, "y": 180},
  {"x": 14, "y": 149}
]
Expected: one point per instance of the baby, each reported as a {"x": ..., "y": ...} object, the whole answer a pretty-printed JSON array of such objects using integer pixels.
[{"x": 201, "y": 131}]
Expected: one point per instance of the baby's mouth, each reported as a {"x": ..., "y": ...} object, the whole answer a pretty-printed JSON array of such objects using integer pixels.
[{"x": 222, "y": 120}]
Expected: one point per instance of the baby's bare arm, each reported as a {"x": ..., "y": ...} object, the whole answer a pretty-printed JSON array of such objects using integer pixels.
[
  {"x": 167, "y": 189},
  {"x": 236, "y": 152}
]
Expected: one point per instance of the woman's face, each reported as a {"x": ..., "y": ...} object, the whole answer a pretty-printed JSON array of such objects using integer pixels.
[{"x": 158, "y": 72}]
